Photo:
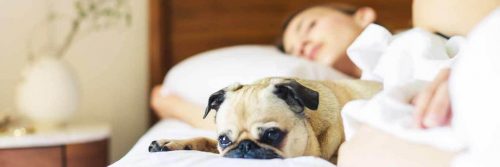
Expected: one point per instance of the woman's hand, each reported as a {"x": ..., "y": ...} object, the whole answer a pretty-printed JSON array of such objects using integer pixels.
[
  {"x": 162, "y": 105},
  {"x": 433, "y": 107}
]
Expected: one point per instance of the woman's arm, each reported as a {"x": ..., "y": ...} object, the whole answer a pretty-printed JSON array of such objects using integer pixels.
[
  {"x": 372, "y": 147},
  {"x": 175, "y": 107}
]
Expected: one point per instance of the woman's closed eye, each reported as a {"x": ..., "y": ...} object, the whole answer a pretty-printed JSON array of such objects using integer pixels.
[
  {"x": 303, "y": 29},
  {"x": 311, "y": 25}
]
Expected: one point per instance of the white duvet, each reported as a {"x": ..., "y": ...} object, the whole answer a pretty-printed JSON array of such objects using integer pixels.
[
  {"x": 171, "y": 129},
  {"x": 404, "y": 63}
]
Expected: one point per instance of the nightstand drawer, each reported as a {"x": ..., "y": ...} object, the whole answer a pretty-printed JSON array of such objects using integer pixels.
[
  {"x": 27, "y": 157},
  {"x": 87, "y": 154},
  {"x": 93, "y": 154}
]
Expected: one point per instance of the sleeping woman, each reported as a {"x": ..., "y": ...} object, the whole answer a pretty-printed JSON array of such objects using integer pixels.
[{"x": 319, "y": 33}]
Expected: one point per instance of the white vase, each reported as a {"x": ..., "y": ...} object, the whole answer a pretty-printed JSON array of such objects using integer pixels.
[{"x": 48, "y": 93}]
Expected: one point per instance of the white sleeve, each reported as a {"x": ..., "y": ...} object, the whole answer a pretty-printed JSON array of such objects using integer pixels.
[
  {"x": 367, "y": 49},
  {"x": 474, "y": 92}
]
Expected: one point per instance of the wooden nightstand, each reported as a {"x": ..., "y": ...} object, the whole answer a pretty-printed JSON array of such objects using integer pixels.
[{"x": 73, "y": 146}]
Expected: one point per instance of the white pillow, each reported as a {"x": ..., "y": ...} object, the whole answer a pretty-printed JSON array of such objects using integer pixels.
[{"x": 197, "y": 77}]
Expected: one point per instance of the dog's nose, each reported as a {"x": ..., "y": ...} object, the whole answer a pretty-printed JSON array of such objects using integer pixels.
[
  {"x": 251, "y": 150},
  {"x": 247, "y": 145}
]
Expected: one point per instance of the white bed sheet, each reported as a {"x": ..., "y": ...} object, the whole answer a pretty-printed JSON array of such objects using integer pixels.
[{"x": 171, "y": 129}]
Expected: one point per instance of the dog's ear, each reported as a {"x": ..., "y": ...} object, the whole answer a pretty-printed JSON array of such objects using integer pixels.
[
  {"x": 297, "y": 96},
  {"x": 215, "y": 101}
]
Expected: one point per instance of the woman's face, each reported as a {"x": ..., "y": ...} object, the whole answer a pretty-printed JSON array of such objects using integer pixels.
[{"x": 321, "y": 34}]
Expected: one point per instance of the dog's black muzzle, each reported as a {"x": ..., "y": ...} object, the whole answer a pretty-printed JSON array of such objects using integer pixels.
[{"x": 249, "y": 150}]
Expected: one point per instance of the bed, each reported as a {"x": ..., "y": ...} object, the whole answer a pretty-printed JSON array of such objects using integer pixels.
[{"x": 180, "y": 29}]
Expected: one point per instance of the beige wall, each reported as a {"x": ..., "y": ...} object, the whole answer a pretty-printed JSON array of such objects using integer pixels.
[{"x": 111, "y": 66}]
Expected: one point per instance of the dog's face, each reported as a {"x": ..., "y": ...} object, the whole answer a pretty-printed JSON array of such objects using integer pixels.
[{"x": 264, "y": 120}]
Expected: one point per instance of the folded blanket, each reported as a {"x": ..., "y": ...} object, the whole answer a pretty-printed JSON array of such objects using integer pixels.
[
  {"x": 404, "y": 58},
  {"x": 404, "y": 63}
]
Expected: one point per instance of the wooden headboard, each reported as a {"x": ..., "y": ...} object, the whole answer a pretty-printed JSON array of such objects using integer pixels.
[{"x": 181, "y": 28}]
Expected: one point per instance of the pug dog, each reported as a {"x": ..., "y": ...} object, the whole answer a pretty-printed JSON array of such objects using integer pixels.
[{"x": 277, "y": 118}]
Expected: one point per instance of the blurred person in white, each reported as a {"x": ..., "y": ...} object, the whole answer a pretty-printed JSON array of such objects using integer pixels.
[{"x": 463, "y": 97}]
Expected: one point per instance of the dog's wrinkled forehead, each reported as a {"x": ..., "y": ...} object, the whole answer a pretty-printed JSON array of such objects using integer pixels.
[
  {"x": 233, "y": 87},
  {"x": 260, "y": 89},
  {"x": 294, "y": 94},
  {"x": 258, "y": 85}
]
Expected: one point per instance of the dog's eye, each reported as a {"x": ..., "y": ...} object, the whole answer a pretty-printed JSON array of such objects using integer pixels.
[
  {"x": 224, "y": 141},
  {"x": 272, "y": 136}
]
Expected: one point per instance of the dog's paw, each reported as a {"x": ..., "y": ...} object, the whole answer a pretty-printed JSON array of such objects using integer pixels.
[
  {"x": 168, "y": 145},
  {"x": 157, "y": 147}
]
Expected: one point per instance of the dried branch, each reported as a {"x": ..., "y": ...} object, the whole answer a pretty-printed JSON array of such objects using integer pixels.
[{"x": 111, "y": 11}]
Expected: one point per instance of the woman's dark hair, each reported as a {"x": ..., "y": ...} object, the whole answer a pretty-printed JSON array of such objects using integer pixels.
[{"x": 341, "y": 7}]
